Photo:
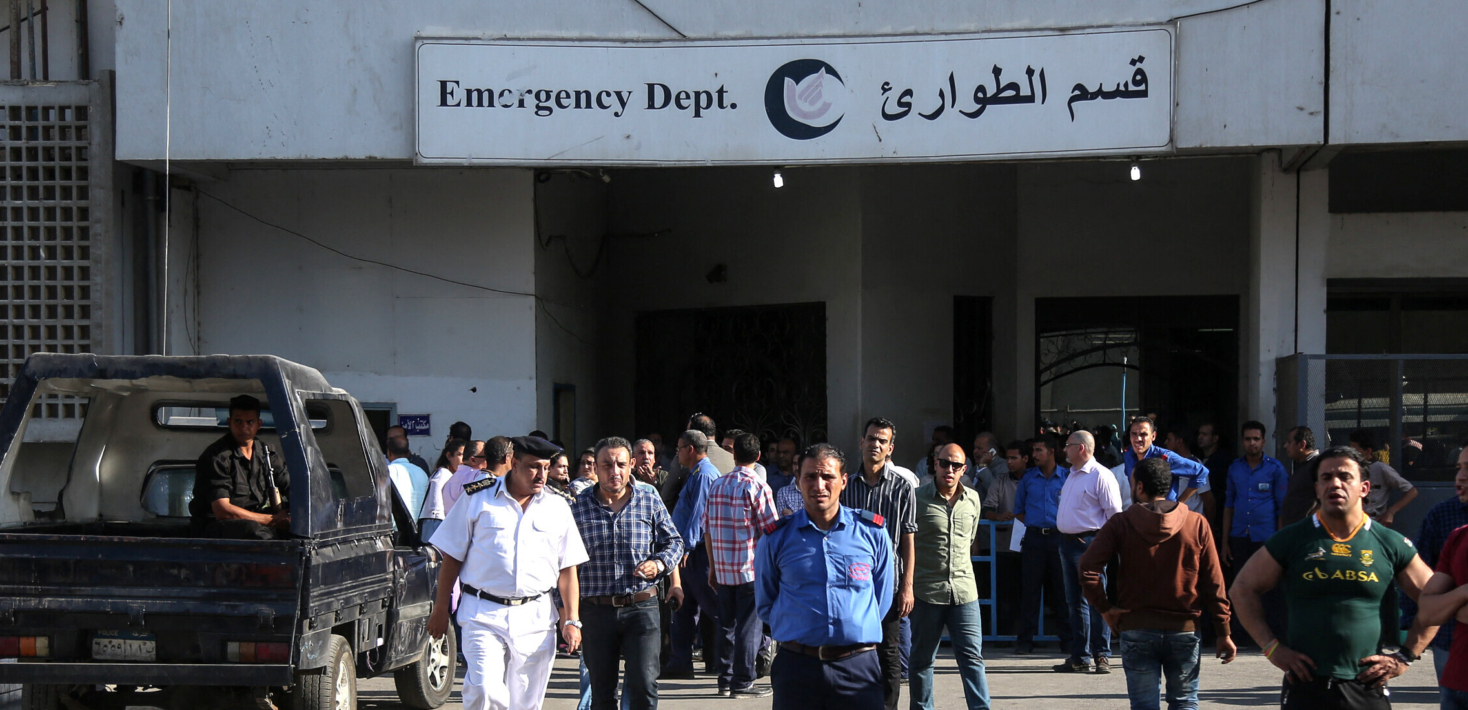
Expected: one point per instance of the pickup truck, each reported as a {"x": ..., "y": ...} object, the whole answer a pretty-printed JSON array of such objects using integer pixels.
[{"x": 109, "y": 599}]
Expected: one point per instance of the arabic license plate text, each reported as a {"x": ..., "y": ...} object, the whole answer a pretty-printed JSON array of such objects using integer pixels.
[{"x": 124, "y": 646}]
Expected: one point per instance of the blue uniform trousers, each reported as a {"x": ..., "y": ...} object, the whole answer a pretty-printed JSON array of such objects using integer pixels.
[{"x": 804, "y": 682}]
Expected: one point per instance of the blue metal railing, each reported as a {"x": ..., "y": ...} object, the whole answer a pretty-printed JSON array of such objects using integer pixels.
[{"x": 991, "y": 602}]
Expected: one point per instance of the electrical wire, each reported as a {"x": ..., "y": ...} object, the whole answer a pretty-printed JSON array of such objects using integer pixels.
[
  {"x": 167, "y": 172},
  {"x": 508, "y": 292}
]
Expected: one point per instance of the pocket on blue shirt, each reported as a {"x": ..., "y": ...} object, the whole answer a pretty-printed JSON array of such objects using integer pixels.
[{"x": 856, "y": 571}]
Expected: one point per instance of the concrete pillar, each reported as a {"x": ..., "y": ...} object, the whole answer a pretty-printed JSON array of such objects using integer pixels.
[
  {"x": 1269, "y": 311},
  {"x": 1314, "y": 241},
  {"x": 1272, "y": 310}
]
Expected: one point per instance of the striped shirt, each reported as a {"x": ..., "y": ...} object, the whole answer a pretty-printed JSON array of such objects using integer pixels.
[
  {"x": 618, "y": 542},
  {"x": 739, "y": 510},
  {"x": 892, "y": 498}
]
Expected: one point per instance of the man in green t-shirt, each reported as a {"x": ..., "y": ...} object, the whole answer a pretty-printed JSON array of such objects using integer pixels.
[{"x": 1333, "y": 567}]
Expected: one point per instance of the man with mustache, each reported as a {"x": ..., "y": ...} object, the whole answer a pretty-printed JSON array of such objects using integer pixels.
[
  {"x": 823, "y": 581},
  {"x": 1333, "y": 568},
  {"x": 511, "y": 542}
]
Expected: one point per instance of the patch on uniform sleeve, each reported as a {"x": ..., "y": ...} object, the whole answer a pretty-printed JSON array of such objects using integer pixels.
[
  {"x": 477, "y": 486},
  {"x": 872, "y": 518}
]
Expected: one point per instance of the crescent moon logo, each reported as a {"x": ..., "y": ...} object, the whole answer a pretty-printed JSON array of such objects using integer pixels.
[{"x": 804, "y": 99}]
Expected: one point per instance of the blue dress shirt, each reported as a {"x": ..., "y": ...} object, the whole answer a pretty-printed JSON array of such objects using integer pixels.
[
  {"x": 1257, "y": 496},
  {"x": 776, "y": 479},
  {"x": 824, "y": 587},
  {"x": 688, "y": 513},
  {"x": 1181, "y": 468},
  {"x": 1038, "y": 498}
]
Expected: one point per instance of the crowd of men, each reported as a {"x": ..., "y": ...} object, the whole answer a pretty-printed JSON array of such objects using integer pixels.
[{"x": 850, "y": 571}]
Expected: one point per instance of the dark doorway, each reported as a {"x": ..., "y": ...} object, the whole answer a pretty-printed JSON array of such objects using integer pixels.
[
  {"x": 973, "y": 365},
  {"x": 1177, "y": 355},
  {"x": 761, "y": 369}
]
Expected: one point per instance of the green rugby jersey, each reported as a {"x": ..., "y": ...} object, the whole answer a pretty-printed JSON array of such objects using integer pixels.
[{"x": 1333, "y": 590}]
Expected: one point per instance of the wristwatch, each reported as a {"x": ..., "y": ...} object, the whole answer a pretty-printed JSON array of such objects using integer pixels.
[
  {"x": 571, "y": 622},
  {"x": 1403, "y": 656}
]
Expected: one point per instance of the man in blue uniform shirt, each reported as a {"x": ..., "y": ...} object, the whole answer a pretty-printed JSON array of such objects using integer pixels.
[
  {"x": 1036, "y": 501},
  {"x": 1186, "y": 473},
  {"x": 823, "y": 582}
]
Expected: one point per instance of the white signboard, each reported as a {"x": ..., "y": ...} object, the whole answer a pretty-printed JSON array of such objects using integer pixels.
[{"x": 788, "y": 102}]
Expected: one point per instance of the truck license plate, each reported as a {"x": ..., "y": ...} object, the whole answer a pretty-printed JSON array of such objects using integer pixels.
[{"x": 124, "y": 646}]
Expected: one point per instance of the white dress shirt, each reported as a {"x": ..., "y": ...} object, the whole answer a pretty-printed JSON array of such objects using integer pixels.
[
  {"x": 1088, "y": 499},
  {"x": 509, "y": 552}
]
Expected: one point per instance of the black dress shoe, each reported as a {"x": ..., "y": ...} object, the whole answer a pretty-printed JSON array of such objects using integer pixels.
[
  {"x": 676, "y": 675},
  {"x": 1024, "y": 648},
  {"x": 1069, "y": 667},
  {"x": 753, "y": 691}
]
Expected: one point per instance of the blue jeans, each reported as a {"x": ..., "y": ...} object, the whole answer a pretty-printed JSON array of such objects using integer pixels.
[
  {"x": 613, "y": 634},
  {"x": 1169, "y": 658},
  {"x": 1092, "y": 637},
  {"x": 585, "y": 702},
  {"x": 967, "y": 633}
]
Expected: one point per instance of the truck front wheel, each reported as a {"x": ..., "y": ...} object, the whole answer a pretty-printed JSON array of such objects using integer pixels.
[
  {"x": 428, "y": 682},
  {"x": 334, "y": 688}
]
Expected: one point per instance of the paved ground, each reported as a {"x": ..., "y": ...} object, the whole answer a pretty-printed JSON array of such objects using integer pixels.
[{"x": 1014, "y": 682}]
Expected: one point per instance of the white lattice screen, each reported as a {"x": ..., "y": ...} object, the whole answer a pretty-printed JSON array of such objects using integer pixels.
[{"x": 50, "y": 254}]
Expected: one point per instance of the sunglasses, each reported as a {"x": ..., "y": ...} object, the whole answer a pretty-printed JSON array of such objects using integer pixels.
[{"x": 950, "y": 465}]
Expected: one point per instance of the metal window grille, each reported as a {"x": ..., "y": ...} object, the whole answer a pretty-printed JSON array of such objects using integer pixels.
[{"x": 52, "y": 142}]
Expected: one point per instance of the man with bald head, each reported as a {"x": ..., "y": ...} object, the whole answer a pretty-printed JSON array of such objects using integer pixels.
[
  {"x": 943, "y": 581},
  {"x": 1089, "y": 498}
]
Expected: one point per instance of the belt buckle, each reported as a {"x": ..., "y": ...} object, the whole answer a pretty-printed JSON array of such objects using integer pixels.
[
  {"x": 821, "y": 653},
  {"x": 620, "y": 602}
]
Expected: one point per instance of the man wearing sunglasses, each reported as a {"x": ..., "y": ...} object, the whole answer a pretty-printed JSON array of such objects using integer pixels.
[{"x": 943, "y": 581}]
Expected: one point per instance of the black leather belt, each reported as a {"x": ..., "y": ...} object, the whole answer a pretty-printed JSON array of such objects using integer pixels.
[
  {"x": 1081, "y": 535},
  {"x": 1042, "y": 531},
  {"x": 503, "y": 601},
  {"x": 828, "y": 653},
  {"x": 624, "y": 600}
]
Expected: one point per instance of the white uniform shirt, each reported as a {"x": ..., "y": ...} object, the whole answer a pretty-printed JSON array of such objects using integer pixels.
[
  {"x": 1088, "y": 499},
  {"x": 508, "y": 552}
]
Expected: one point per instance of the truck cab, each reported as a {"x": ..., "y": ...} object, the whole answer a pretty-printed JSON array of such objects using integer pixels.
[{"x": 109, "y": 596}]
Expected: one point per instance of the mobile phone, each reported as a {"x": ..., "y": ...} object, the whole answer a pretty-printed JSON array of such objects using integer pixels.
[{"x": 673, "y": 603}]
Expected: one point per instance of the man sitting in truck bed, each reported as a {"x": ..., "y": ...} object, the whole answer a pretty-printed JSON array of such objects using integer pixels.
[{"x": 233, "y": 494}]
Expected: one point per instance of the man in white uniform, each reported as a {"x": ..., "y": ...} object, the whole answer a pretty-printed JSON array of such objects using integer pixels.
[{"x": 509, "y": 541}]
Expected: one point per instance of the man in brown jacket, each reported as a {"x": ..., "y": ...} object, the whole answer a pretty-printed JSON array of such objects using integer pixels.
[{"x": 1169, "y": 577}]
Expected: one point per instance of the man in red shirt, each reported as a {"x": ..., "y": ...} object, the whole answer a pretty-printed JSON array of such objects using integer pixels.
[
  {"x": 739, "y": 510},
  {"x": 1445, "y": 598}
]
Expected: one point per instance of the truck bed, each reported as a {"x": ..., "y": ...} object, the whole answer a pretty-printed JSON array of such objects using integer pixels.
[{"x": 76, "y": 584}]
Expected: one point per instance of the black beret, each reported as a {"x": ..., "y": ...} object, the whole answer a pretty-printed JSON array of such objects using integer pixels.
[{"x": 534, "y": 446}]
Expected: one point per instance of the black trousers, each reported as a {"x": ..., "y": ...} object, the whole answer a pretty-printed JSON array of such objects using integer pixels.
[
  {"x": 1331, "y": 694},
  {"x": 889, "y": 655},
  {"x": 1040, "y": 570},
  {"x": 237, "y": 530}
]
